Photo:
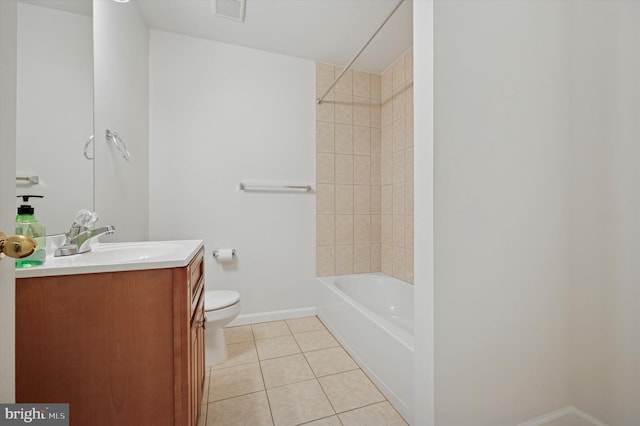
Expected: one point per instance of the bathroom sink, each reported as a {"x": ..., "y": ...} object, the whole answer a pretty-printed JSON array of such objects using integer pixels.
[
  {"x": 112, "y": 257},
  {"x": 123, "y": 252}
]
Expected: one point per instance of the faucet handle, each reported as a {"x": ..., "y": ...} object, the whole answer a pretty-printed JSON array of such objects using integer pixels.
[{"x": 86, "y": 218}]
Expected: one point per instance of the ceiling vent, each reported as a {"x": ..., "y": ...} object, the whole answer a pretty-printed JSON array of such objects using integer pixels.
[{"x": 230, "y": 9}]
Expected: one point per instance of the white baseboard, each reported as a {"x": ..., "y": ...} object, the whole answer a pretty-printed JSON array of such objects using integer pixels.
[
  {"x": 273, "y": 316},
  {"x": 588, "y": 417},
  {"x": 546, "y": 418},
  {"x": 564, "y": 411}
]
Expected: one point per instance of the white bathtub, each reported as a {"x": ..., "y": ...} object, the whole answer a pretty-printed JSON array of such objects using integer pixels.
[{"x": 372, "y": 317}]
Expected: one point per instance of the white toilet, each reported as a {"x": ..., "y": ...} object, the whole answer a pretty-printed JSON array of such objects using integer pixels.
[{"x": 221, "y": 307}]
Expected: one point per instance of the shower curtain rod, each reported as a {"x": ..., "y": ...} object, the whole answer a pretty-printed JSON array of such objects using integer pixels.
[{"x": 321, "y": 98}]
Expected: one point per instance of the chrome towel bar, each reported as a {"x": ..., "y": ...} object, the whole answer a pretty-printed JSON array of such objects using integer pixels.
[
  {"x": 32, "y": 179},
  {"x": 274, "y": 187}
]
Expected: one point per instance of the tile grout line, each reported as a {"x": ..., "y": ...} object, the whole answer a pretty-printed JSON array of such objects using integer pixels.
[
  {"x": 294, "y": 339},
  {"x": 264, "y": 383},
  {"x": 205, "y": 412},
  {"x": 321, "y": 418},
  {"x": 305, "y": 359},
  {"x": 236, "y": 396},
  {"x": 335, "y": 413},
  {"x": 315, "y": 378},
  {"x": 370, "y": 405}
]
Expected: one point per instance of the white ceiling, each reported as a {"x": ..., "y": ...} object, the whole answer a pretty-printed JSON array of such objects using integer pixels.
[
  {"x": 82, "y": 7},
  {"x": 330, "y": 31}
]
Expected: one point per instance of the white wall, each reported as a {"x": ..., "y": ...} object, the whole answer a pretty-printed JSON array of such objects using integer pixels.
[
  {"x": 423, "y": 33},
  {"x": 121, "y": 46},
  {"x": 537, "y": 231},
  {"x": 55, "y": 112},
  {"x": 221, "y": 114},
  {"x": 501, "y": 275},
  {"x": 605, "y": 202},
  {"x": 591, "y": 181},
  {"x": 8, "y": 77},
  {"x": 623, "y": 387}
]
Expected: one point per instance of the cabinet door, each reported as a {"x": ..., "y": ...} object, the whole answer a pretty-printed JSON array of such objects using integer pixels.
[
  {"x": 197, "y": 361},
  {"x": 102, "y": 343}
]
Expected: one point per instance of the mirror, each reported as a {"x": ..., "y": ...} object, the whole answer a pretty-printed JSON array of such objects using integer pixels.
[{"x": 55, "y": 108}]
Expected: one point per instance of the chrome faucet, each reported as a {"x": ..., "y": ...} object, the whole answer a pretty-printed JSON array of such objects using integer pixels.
[{"x": 78, "y": 239}]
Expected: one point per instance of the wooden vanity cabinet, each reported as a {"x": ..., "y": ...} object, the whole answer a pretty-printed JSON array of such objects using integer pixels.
[{"x": 122, "y": 348}]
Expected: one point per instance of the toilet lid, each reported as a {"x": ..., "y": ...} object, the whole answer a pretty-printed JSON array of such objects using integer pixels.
[{"x": 218, "y": 299}]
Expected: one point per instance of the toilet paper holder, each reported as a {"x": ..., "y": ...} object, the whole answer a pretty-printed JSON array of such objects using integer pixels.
[{"x": 215, "y": 252}]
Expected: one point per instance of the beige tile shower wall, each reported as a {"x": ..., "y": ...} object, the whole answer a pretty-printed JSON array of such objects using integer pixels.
[
  {"x": 397, "y": 168},
  {"x": 348, "y": 172},
  {"x": 350, "y": 199}
]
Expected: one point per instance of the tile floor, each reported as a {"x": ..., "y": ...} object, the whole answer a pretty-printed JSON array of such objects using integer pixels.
[{"x": 291, "y": 372}]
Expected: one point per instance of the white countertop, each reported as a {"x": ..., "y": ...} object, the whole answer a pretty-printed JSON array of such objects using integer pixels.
[{"x": 114, "y": 257}]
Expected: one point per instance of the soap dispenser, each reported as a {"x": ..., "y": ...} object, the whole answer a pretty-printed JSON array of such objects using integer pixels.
[{"x": 27, "y": 224}]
